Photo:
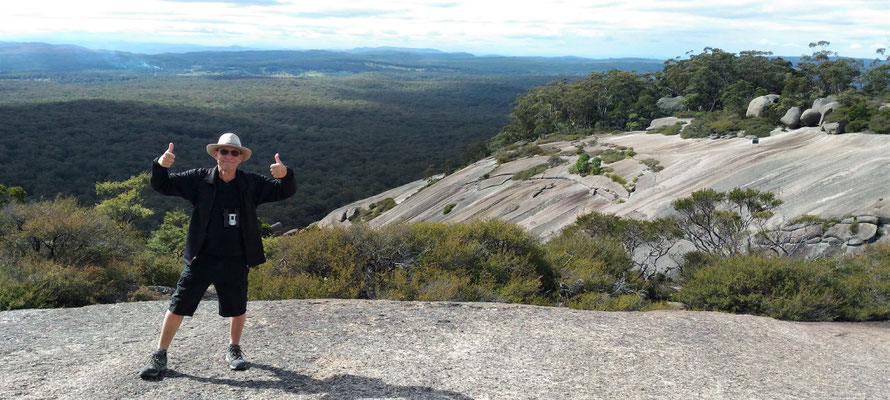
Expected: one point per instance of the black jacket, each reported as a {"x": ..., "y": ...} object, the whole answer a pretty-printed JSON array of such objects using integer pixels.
[{"x": 199, "y": 187}]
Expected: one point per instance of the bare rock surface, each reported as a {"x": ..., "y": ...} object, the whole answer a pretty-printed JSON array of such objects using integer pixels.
[{"x": 355, "y": 349}]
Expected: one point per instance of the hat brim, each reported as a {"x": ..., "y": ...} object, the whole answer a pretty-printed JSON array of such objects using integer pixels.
[{"x": 211, "y": 149}]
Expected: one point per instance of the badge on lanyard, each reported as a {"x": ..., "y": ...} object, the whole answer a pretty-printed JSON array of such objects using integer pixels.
[{"x": 231, "y": 217}]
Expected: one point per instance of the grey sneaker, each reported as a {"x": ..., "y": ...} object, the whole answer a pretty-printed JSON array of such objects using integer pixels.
[
  {"x": 157, "y": 364},
  {"x": 236, "y": 358}
]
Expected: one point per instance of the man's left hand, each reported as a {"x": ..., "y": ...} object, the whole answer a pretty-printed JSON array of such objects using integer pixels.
[{"x": 278, "y": 169}]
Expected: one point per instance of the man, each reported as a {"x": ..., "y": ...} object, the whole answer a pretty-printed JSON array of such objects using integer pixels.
[{"x": 223, "y": 237}]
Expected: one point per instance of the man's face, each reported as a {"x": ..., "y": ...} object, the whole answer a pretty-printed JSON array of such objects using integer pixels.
[{"x": 225, "y": 158}]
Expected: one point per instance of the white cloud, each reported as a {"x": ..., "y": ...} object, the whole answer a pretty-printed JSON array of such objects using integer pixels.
[{"x": 570, "y": 27}]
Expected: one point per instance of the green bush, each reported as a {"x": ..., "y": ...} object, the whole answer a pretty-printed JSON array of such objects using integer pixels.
[
  {"x": 595, "y": 273},
  {"x": 652, "y": 164},
  {"x": 58, "y": 254},
  {"x": 529, "y": 173},
  {"x": 586, "y": 165},
  {"x": 847, "y": 288},
  {"x": 514, "y": 152},
  {"x": 40, "y": 283},
  {"x": 448, "y": 208},
  {"x": 476, "y": 261},
  {"x": 610, "y": 155},
  {"x": 617, "y": 179}
]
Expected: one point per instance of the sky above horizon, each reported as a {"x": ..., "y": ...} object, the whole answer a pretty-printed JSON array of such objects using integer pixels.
[{"x": 597, "y": 29}]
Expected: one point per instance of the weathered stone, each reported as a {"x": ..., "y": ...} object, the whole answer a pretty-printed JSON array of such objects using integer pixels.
[
  {"x": 276, "y": 228},
  {"x": 792, "y": 118},
  {"x": 810, "y": 117},
  {"x": 866, "y": 232},
  {"x": 869, "y": 219},
  {"x": 829, "y": 107},
  {"x": 855, "y": 241},
  {"x": 805, "y": 234},
  {"x": 884, "y": 107},
  {"x": 671, "y": 105},
  {"x": 756, "y": 106},
  {"x": 820, "y": 102},
  {"x": 841, "y": 232},
  {"x": 666, "y": 121},
  {"x": 827, "y": 110},
  {"x": 833, "y": 128}
]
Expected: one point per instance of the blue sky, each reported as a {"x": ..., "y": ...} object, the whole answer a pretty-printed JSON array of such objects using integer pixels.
[{"x": 645, "y": 28}]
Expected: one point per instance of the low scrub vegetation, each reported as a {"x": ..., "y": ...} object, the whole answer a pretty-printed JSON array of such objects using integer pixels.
[{"x": 57, "y": 253}]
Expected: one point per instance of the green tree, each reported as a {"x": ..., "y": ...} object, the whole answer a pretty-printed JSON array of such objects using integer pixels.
[
  {"x": 718, "y": 222},
  {"x": 124, "y": 203},
  {"x": 169, "y": 238},
  {"x": 14, "y": 194},
  {"x": 832, "y": 75}
]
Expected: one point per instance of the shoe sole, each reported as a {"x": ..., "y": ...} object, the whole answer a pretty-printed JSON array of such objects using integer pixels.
[{"x": 149, "y": 376}]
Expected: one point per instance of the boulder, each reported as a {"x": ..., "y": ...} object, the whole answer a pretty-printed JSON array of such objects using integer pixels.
[
  {"x": 833, "y": 128},
  {"x": 884, "y": 106},
  {"x": 810, "y": 117},
  {"x": 828, "y": 109},
  {"x": 756, "y": 106},
  {"x": 822, "y": 101},
  {"x": 666, "y": 121},
  {"x": 791, "y": 118},
  {"x": 671, "y": 105}
]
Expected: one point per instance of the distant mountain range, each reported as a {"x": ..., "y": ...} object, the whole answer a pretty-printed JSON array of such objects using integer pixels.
[{"x": 17, "y": 58}]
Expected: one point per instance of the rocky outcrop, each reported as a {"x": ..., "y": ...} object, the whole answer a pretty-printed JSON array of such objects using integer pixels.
[
  {"x": 667, "y": 121},
  {"x": 759, "y": 104},
  {"x": 822, "y": 238},
  {"x": 670, "y": 105},
  {"x": 832, "y": 128},
  {"x": 361, "y": 349},
  {"x": 827, "y": 109},
  {"x": 828, "y": 176},
  {"x": 810, "y": 117},
  {"x": 791, "y": 118},
  {"x": 821, "y": 102}
]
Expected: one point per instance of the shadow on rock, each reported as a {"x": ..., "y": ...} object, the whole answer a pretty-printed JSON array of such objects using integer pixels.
[{"x": 336, "y": 387}]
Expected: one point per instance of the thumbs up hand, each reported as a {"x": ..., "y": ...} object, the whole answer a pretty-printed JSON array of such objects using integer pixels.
[
  {"x": 278, "y": 169},
  {"x": 168, "y": 158}
]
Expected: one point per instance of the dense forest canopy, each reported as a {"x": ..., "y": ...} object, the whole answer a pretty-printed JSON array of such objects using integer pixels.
[{"x": 350, "y": 124}]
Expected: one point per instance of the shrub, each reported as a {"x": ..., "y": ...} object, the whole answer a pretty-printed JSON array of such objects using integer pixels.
[
  {"x": 373, "y": 211},
  {"x": 847, "y": 288},
  {"x": 610, "y": 155},
  {"x": 594, "y": 273},
  {"x": 586, "y": 165},
  {"x": 476, "y": 261},
  {"x": 448, "y": 208},
  {"x": 528, "y": 173},
  {"x": 40, "y": 283},
  {"x": 617, "y": 179},
  {"x": 652, "y": 164},
  {"x": 63, "y": 232},
  {"x": 511, "y": 153}
]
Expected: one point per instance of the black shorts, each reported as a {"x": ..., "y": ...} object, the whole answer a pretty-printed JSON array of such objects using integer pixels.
[{"x": 227, "y": 274}]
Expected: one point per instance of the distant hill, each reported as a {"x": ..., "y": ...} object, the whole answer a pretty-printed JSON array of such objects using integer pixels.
[{"x": 42, "y": 57}]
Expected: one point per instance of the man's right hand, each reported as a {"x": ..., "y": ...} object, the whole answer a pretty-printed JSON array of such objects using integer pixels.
[{"x": 168, "y": 158}]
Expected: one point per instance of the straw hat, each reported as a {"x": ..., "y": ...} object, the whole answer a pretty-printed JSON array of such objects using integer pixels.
[{"x": 228, "y": 139}]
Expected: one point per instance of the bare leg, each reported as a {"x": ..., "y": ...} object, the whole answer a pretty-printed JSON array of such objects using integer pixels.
[
  {"x": 168, "y": 330},
  {"x": 236, "y": 325}
]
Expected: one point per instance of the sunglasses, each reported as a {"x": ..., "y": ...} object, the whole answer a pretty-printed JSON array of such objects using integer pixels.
[{"x": 225, "y": 152}]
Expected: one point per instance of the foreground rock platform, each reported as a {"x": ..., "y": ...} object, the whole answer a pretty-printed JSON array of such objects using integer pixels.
[{"x": 354, "y": 349}]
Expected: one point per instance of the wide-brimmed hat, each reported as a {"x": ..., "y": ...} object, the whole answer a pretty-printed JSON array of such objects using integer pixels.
[{"x": 231, "y": 140}]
